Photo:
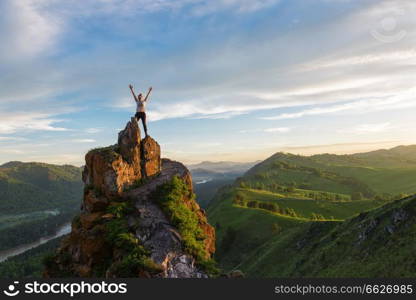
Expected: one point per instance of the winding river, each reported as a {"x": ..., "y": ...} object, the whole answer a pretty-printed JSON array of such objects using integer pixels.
[{"x": 5, "y": 254}]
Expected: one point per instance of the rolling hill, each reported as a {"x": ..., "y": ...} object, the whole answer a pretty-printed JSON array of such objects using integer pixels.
[{"x": 263, "y": 220}]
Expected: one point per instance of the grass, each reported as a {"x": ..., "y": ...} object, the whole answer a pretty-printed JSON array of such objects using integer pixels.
[
  {"x": 253, "y": 227},
  {"x": 135, "y": 258},
  {"x": 171, "y": 197},
  {"x": 305, "y": 207},
  {"x": 381, "y": 254},
  {"x": 110, "y": 153},
  {"x": 265, "y": 244}
]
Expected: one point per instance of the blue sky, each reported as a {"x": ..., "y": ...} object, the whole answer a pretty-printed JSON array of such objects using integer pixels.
[{"x": 233, "y": 79}]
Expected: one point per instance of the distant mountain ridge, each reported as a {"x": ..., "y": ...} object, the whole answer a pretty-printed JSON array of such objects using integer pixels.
[{"x": 223, "y": 166}]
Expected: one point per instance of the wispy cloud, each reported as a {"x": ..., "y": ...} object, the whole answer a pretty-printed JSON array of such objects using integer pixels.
[
  {"x": 361, "y": 106},
  {"x": 93, "y": 130},
  {"x": 268, "y": 130},
  {"x": 278, "y": 129},
  {"x": 83, "y": 141},
  {"x": 11, "y": 138},
  {"x": 11, "y": 123},
  {"x": 369, "y": 128}
]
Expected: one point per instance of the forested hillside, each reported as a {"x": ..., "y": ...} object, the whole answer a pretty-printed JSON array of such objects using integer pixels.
[{"x": 35, "y": 199}]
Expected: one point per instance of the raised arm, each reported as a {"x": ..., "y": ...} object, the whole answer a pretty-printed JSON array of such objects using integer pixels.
[
  {"x": 148, "y": 93},
  {"x": 132, "y": 91}
]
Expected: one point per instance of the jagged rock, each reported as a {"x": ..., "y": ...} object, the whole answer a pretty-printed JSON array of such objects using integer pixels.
[
  {"x": 399, "y": 216},
  {"x": 129, "y": 142},
  {"x": 151, "y": 162},
  {"x": 367, "y": 228},
  {"x": 183, "y": 266},
  {"x": 113, "y": 175},
  {"x": 113, "y": 169},
  {"x": 94, "y": 203}
]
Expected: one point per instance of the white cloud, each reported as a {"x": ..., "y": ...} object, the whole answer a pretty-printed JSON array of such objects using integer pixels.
[
  {"x": 25, "y": 30},
  {"x": 240, "y": 6},
  {"x": 93, "y": 130},
  {"x": 31, "y": 121},
  {"x": 278, "y": 129},
  {"x": 369, "y": 128},
  {"x": 83, "y": 141},
  {"x": 406, "y": 100},
  {"x": 11, "y": 138},
  {"x": 268, "y": 130}
]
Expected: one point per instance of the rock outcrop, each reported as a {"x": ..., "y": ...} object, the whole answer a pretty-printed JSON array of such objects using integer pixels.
[{"x": 123, "y": 229}]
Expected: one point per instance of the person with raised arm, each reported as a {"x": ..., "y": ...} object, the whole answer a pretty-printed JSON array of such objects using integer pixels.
[{"x": 141, "y": 106}]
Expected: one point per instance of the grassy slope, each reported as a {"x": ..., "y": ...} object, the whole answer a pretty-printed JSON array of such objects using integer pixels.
[
  {"x": 305, "y": 207},
  {"x": 316, "y": 252},
  {"x": 260, "y": 251},
  {"x": 254, "y": 227}
]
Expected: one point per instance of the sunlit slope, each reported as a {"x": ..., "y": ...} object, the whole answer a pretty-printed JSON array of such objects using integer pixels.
[
  {"x": 372, "y": 174},
  {"x": 379, "y": 243}
]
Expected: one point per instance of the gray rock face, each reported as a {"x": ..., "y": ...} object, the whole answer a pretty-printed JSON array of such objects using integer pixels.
[
  {"x": 155, "y": 231},
  {"x": 367, "y": 228}
]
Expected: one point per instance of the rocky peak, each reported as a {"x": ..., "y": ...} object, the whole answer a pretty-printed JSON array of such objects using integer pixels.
[
  {"x": 138, "y": 217},
  {"x": 115, "y": 168}
]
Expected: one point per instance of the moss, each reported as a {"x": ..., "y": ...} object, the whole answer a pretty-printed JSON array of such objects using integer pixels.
[
  {"x": 120, "y": 209},
  {"x": 114, "y": 228},
  {"x": 170, "y": 197},
  {"x": 135, "y": 257},
  {"x": 131, "y": 265},
  {"x": 109, "y": 153}
]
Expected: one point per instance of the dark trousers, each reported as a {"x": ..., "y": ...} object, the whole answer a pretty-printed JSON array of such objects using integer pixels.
[{"x": 142, "y": 115}]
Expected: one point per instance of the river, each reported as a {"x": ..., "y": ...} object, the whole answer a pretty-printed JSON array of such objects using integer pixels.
[{"x": 62, "y": 230}]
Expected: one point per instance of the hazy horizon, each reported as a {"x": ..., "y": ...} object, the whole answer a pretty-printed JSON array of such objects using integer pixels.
[
  {"x": 234, "y": 80},
  {"x": 305, "y": 151}
]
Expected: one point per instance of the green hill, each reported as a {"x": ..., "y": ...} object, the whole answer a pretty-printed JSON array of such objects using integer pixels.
[
  {"x": 263, "y": 218},
  {"x": 382, "y": 173},
  {"x": 378, "y": 243},
  {"x": 35, "y": 199}
]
